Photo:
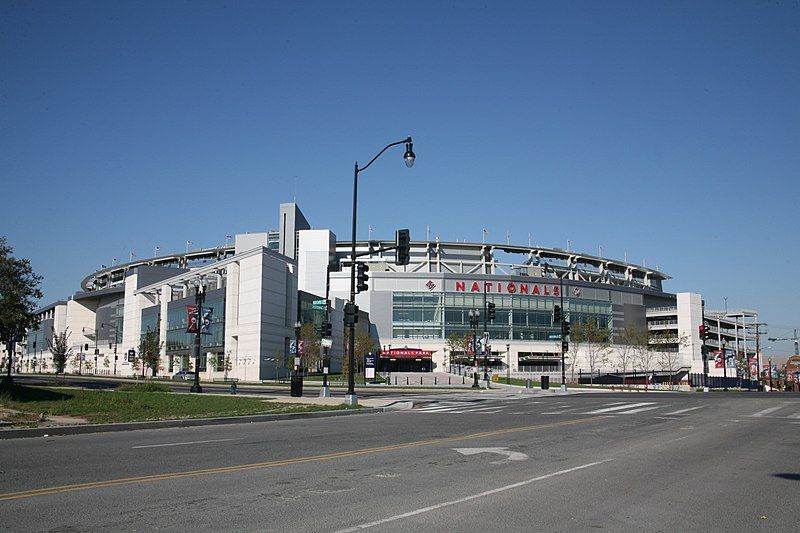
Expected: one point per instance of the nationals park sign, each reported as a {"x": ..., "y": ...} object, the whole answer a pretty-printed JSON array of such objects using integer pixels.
[{"x": 508, "y": 287}]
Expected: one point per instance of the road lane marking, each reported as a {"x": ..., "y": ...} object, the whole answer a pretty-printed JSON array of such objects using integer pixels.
[
  {"x": 767, "y": 411},
  {"x": 618, "y": 408},
  {"x": 285, "y": 462},
  {"x": 681, "y": 411},
  {"x": 469, "y": 498},
  {"x": 641, "y": 409},
  {"x": 500, "y": 450},
  {"x": 181, "y": 443}
]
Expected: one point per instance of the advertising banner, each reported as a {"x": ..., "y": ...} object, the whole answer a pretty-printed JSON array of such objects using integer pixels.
[
  {"x": 191, "y": 319},
  {"x": 192, "y": 323}
]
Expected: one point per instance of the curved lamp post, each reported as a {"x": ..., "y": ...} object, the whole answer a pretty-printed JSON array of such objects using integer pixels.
[{"x": 408, "y": 157}]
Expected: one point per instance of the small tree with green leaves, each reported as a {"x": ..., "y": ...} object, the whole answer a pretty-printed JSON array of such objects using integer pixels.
[
  {"x": 19, "y": 294},
  {"x": 311, "y": 346},
  {"x": 150, "y": 349},
  {"x": 455, "y": 343},
  {"x": 59, "y": 347}
]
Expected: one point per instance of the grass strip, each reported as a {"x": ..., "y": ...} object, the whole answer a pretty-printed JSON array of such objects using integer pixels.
[{"x": 104, "y": 407}]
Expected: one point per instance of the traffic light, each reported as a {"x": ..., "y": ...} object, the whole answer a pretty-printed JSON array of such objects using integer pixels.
[
  {"x": 565, "y": 329},
  {"x": 705, "y": 332},
  {"x": 350, "y": 314},
  {"x": 361, "y": 277},
  {"x": 556, "y": 314},
  {"x": 85, "y": 347},
  {"x": 565, "y": 346},
  {"x": 326, "y": 330},
  {"x": 491, "y": 313},
  {"x": 403, "y": 244}
]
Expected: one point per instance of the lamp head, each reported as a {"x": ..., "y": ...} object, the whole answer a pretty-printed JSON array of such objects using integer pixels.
[{"x": 409, "y": 156}]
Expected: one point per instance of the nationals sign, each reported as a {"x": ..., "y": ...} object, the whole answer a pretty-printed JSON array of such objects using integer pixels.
[{"x": 508, "y": 287}]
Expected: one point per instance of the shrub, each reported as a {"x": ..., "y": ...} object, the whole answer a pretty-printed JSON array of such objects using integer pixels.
[{"x": 147, "y": 386}]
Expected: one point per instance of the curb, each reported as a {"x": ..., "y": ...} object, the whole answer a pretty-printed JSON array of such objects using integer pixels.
[{"x": 186, "y": 422}]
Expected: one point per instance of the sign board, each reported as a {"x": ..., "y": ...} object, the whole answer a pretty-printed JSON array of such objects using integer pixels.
[
  {"x": 292, "y": 347},
  {"x": 369, "y": 366},
  {"x": 320, "y": 305},
  {"x": 301, "y": 347},
  {"x": 131, "y": 355},
  {"x": 555, "y": 337},
  {"x": 296, "y": 361},
  {"x": 81, "y": 356},
  {"x": 326, "y": 343}
]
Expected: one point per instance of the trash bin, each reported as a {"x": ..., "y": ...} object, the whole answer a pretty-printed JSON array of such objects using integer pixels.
[
  {"x": 297, "y": 386},
  {"x": 545, "y": 382}
]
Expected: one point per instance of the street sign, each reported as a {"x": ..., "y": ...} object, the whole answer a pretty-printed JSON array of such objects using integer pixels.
[
  {"x": 369, "y": 366},
  {"x": 327, "y": 343},
  {"x": 320, "y": 305},
  {"x": 131, "y": 355},
  {"x": 554, "y": 337}
]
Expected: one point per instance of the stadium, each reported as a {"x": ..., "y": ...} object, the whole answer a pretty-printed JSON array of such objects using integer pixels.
[{"x": 263, "y": 288}]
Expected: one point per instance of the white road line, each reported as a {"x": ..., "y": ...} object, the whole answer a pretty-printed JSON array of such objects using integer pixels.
[
  {"x": 767, "y": 411},
  {"x": 796, "y": 415},
  {"x": 614, "y": 403},
  {"x": 182, "y": 443},
  {"x": 685, "y": 410},
  {"x": 638, "y": 410},
  {"x": 468, "y": 498},
  {"x": 559, "y": 412},
  {"x": 439, "y": 408},
  {"x": 618, "y": 408}
]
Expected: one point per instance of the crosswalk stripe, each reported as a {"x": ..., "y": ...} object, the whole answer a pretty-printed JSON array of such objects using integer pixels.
[
  {"x": 767, "y": 411},
  {"x": 681, "y": 411},
  {"x": 638, "y": 410},
  {"x": 618, "y": 408}
]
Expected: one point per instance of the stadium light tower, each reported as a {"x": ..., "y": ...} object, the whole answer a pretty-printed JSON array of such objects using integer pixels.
[{"x": 409, "y": 158}]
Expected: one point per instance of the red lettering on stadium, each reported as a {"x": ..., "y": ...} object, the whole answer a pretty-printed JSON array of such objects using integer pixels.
[{"x": 509, "y": 288}]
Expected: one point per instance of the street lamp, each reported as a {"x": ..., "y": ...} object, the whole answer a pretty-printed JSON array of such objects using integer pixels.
[
  {"x": 563, "y": 313},
  {"x": 508, "y": 364},
  {"x": 199, "y": 300},
  {"x": 409, "y": 158},
  {"x": 474, "y": 316}
]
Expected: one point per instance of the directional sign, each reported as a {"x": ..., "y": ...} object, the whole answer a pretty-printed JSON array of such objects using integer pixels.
[
  {"x": 319, "y": 304},
  {"x": 510, "y": 456}
]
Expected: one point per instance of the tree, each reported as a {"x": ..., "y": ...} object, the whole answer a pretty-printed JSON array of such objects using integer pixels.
[
  {"x": 364, "y": 345},
  {"x": 311, "y": 346},
  {"x": 644, "y": 356},
  {"x": 150, "y": 349},
  {"x": 455, "y": 343},
  {"x": 596, "y": 344},
  {"x": 19, "y": 294},
  {"x": 668, "y": 358},
  {"x": 628, "y": 339}
]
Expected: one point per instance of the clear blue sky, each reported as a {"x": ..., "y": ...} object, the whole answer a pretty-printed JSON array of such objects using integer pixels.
[{"x": 667, "y": 131}]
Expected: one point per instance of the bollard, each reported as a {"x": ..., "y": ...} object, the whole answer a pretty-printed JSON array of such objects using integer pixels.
[
  {"x": 395, "y": 380},
  {"x": 420, "y": 380},
  {"x": 406, "y": 380},
  {"x": 448, "y": 380},
  {"x": 462, "y": 380}
]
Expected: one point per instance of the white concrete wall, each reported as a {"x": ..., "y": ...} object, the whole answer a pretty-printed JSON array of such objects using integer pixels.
[
  {"x": 690, "y": 316},
  {"x": 267, "y": 307},
  {"x": 315, "y": 250},
  {"x": 80, "y": 322},
  {"x": 248, "y": 241}
]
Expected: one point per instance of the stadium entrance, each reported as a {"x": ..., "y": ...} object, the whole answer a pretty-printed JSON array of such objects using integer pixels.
[{"x": 406, "y": 360}]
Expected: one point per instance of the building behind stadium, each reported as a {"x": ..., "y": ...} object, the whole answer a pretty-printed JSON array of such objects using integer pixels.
[{"x": 263, "y": 286}]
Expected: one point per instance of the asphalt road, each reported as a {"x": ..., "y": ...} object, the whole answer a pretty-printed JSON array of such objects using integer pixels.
[{"x": 619, "y": 462}]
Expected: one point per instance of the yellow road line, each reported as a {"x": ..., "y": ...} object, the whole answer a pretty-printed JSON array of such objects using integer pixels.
[{"x": 283, "y": 462}]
